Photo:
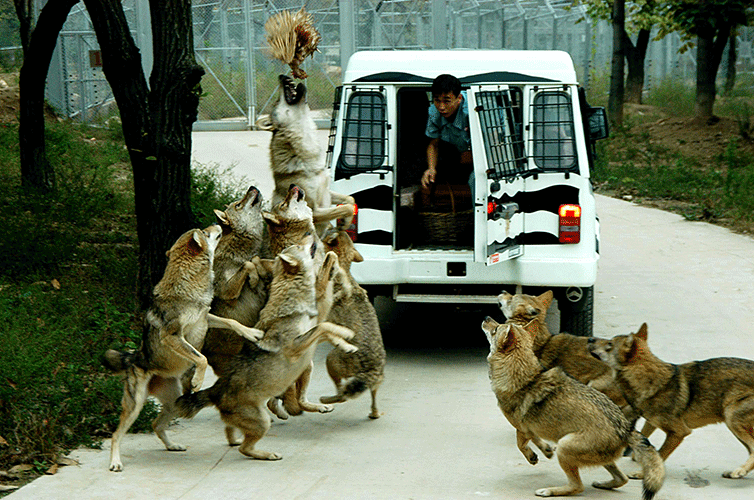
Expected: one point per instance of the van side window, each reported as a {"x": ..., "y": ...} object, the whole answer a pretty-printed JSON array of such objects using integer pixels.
[
  {"x": 500, "y": 117},
  {"x": 363, "y": 148},
  {"x": 553, "y": 142}
]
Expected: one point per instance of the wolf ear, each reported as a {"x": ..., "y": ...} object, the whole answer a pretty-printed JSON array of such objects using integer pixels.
[
  {"x": 532, "y": 328},
  {"x": 268, "y": 265},
  {"x": 290, "y": 264},
  {"x": 546, "y": 299},
  {"x": 271, "y": 219},
  {"x": 642, "y": 333},
  {"x": 506, "y": 338},
  {"x": 196, "y": 243},
  {"x": 222, "y": 219},
  {"x": 264, "y": 122},
  {"x": 357, "y": 256}
]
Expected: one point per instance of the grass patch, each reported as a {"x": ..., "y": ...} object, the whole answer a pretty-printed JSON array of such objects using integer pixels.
[{"x": 67, "y": 291}]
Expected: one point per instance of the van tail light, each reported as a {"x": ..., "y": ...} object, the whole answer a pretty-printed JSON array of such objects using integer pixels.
[
  {"x": 569, "y": 224},
  {"x": 353, "y": 229}
]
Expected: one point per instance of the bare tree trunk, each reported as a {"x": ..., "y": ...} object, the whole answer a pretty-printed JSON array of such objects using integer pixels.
[
  {"x": 617, "y": 87},
  {"x": 730, "y": 67},
  {"x": 709, "y": 52},
  {"x": 156, "y": 123},
  {"x": 25, "y": 21},
  {"x": 635, "y": 55},
  {"x": 37, "y": 174}
]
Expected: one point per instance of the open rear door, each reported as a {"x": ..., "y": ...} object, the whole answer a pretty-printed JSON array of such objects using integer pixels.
[{"x": 496, "y": 124}]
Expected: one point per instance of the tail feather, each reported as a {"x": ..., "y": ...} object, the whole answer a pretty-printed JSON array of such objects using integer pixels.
[
  {"x": 651, "y": 464},
  {"x": 188, "y": 405}
]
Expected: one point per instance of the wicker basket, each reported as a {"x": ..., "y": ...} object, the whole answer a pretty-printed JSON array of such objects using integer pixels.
[{"x": 443, "y": 227}]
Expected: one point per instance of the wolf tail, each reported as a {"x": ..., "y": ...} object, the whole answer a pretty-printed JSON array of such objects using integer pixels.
[
  {"x": 188, "y": 405},
  {"x": 361, "y": 383},
  {"x": 651, "y": 463},
  {"x": 118, "y": 361}
]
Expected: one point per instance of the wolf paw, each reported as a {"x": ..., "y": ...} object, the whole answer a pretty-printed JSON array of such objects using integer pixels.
[
  {"x": 116, "y": 466},
  {"x": 544, "y": 492},
  {"x": 735, "y": 474},
  {"x": 196, "y": 383},
  {"x": 175, "y": 447},
  {"x": 549, "y": 451},
  {"x": 261, "y": 455},
  {"x": 532, "y": 458},
  {"x": 636, "y": 475}
]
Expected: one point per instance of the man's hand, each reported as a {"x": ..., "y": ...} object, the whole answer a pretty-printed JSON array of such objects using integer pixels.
[{"x": 428, "y": 177}]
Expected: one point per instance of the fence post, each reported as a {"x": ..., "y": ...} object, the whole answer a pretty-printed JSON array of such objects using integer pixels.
[{"x": 347, "y": 39}]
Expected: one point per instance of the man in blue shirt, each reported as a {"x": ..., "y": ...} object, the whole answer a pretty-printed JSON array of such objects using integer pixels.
[{"x": 449, "y": 148}]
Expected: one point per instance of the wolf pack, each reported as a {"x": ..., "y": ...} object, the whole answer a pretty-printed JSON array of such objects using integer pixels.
[{"x": 253, "y": 295}]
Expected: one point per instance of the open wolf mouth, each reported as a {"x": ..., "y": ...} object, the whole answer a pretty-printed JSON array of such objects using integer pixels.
[
  {"x": 293, "y": 93},
  {"x": 252, "y": 195}
]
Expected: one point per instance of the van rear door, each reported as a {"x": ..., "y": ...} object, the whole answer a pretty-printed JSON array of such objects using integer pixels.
[{"x": 496, "y": 127}]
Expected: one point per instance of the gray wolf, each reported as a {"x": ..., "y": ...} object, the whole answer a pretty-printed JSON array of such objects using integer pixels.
[
  {"x": 355, "y": 372},
  {"x": 297, "y": 157},
  {"x": 174, "y": 330},
  {"x": 588, "y": 429},
  {"x": 570, "y": 352},
  {"x": 265, "y": 369},
  {"x": 679, "y": 398},
  {"x": 241, "y": 280}
]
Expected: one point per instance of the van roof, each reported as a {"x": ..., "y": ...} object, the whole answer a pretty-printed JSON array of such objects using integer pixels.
[{"x": 470, "y": 66}]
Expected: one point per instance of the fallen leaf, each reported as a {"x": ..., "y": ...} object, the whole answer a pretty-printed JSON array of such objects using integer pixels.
[
  {"x": 52, "y": 470},
  {"x": 20, "y": 468},
  {"x": 7, "y": 487},
  {"x": 67, "y": 461},
  {"x": 55, "y": 284},
  {"x": 3, "y": 442}
]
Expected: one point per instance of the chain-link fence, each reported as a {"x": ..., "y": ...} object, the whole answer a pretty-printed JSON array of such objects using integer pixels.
[{"x": 241, "y": 79}]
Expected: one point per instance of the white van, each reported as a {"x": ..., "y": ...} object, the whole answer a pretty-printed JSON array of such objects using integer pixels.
[{"x": 531, "y": 222}]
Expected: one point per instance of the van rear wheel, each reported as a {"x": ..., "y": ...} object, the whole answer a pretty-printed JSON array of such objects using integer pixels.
[{"x": 576, "y": 306}]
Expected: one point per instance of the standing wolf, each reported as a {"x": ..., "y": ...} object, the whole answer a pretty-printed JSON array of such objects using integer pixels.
[
  {"x": 266, "y": 369},
  {"x": 240, "y": 277},
  {"x": 679, "y": 398},
  {"x": 588, "y": 428},
  {"x": 355, "y": 372},
  {"x": 174, "y": 330},
  {"x": 296, "y": 157}
]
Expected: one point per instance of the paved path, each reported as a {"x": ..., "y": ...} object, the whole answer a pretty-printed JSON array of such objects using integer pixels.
[{"x": 441, "y": 435}]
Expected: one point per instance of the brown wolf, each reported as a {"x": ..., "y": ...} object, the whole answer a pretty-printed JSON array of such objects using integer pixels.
[
  {"x": 174, "y": 330},
  {"x": 679, "y": 398},
  {"x": 240, "y": 279},
  {"x": 266, "y": 369},
  {"x": 297, "y": 157},
  {"x": 363, "y": 369},
  {"x": 588, "y": 428},
  {"x": 570, "y": 352}
]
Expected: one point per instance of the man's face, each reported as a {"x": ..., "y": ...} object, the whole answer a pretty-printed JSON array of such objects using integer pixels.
[{"x": 447, "y": 104}]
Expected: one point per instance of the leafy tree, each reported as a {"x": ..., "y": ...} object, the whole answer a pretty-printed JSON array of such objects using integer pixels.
[
  {"x": 711, "y": 23},
  {"x": 640, "y": 17}
]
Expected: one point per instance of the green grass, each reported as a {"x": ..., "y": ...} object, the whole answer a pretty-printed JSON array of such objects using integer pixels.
[{"x": 67, "y": 291}]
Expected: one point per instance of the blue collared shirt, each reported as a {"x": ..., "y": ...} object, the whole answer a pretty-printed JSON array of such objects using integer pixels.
[{"x": 455, "y": 132}]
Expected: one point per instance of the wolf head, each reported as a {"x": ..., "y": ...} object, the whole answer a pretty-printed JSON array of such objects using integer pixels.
[
  {"x": 338, "y": 241},
  {"x": 524, "y": 307},
  {"x": 289, "y": 220},
  {"x": 621, "y": 350},
  {"x": 296, "y": 261},
  {"x": 190, "y": 262},
  {"x": 291, "y": 112},
  {"x": 506, "y": 337},
  {"x": 244, "y": 216}
]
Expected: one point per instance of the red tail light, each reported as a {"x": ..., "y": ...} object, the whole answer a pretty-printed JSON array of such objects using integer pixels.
[
  {"x": 353, "y": 229},
  {"x": 570, "y": 223}
]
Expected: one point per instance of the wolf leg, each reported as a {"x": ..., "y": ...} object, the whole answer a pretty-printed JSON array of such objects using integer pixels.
[
  {"x": 167, "y": 391},
  {"x": 548, "y": 450},
  {"x": 182, "y": 348},
  {"x": 231, "y": 435},
  {"x": 252, "y": 334},
  {"x": 134, "y": 396},
  {"x": 332, "y": 364},
  {"x": 374, "y": 414},
  {"x": 302, "y": 383},
  {"x": 254, "y": 423},
  {"x": 522, "y": 440},
  {"x": 571, "y": 469},
  {"x": 344, "y": 212},
  {"x": 740, "y": 420},
  {"x": 618, "y": 480}
]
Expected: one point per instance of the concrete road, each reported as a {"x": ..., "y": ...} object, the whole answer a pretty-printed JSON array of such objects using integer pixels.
[{"x": 441, "y": 435}]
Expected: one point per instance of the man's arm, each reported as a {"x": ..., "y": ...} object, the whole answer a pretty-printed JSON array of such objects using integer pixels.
[{"x": 429, "y": 174}]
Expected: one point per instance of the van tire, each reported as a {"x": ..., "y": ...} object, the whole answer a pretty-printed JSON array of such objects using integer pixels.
[{"x": 576, "y": 318}]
